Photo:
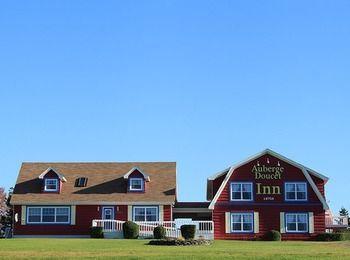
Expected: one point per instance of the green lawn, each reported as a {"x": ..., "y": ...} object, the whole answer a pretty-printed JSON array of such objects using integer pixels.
[{"x": 95, "y": 248}]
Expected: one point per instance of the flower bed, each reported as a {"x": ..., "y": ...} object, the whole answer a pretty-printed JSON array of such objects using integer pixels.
[{"x": 180, "y": 242}]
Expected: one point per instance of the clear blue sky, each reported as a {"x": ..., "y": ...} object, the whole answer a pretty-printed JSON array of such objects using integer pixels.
[{"x": 202, "y": 83}]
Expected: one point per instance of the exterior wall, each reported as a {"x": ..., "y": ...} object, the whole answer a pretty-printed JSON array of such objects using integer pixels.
[
  {"x": 269, "y": 219},
  {"x": 319, "y": 184},
  {"x": 167, "y": 213},
  {"x": 84, "y": 216},
  {"x": 217, "y": 183},
  {"x": 270, "y": 205}
]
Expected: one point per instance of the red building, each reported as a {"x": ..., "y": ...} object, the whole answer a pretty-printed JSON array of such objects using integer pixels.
[
  {"x": 62, "y": 199},
  {"x": 267, "y": 192}
]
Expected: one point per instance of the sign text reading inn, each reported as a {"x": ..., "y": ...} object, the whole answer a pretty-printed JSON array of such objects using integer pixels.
[{"x": 267, "y": 173}]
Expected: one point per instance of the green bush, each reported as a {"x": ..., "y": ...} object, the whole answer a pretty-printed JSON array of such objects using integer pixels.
[
  {"x": 331, "y": 237},
  {"x": 188, "y": 231},
  {"x": 273, "y": 235},
  {"x": 96, "y": 232},
  {"x": 130, "y": 230},
  {"x": 159, "y": 232}
]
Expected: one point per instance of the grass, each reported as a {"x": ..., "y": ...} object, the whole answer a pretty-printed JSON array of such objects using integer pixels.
[{"x": 135, "y": 249}]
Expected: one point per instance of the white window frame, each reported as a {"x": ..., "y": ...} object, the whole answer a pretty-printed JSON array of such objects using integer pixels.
[
  {"x": 241, "y": 184},
  {"x": 136, "y": 179},
  {"x": 145, "y": 217},
  {"x": 296, "y": 222},
  {"x": 251, "y": 214},
  {"x": 295, "y": 191},
  {"x": 41, "y": 215},
  {"x": 46, "y": 184}
]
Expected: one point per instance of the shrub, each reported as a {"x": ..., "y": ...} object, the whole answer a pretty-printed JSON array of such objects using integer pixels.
[
  {"x": 273, "y": 235},
  {"x": 331, "y": 237},
  {"x": 96, "y": 232},
  {"x": 159, "y": 232},
  {"x": 188, "y": 231},
  {"x": 345, "y": 232},
  {"x": 130, "y": 230}
]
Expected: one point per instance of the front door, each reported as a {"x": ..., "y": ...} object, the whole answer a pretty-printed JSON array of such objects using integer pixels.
[{"x": 108, "y": 214}]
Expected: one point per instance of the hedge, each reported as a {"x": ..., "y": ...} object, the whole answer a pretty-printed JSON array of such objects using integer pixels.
[{"x": 333, "y": 236}]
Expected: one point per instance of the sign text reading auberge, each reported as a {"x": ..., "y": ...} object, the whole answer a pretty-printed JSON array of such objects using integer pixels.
[{"x": 267, "y": 172}]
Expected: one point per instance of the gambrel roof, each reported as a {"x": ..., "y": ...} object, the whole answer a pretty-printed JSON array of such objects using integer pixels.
[{"x": 305, "y": 170}]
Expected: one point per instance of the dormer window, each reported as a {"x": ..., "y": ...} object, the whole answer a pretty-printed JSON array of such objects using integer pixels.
[
  {"x": 136, "y": 180},
  {"x": 136, "y": 184},
  {"x": 51, "y": 185}
]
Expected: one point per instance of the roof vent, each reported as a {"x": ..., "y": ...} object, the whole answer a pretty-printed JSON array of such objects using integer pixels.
[{"x": 81, "y": 182}]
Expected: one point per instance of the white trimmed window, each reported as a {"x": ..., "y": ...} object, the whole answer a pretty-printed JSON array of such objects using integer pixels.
[
  {"x": 295, "y": 191},
  {"x": 296, "y": 222},
  {"x": 48, "y": 215},
  {"x": 242, "y": 222},
  {"x": 241, "y": 191},
  {"x": 136, "y": 184},
  {"x": 51, "y": 185},
  {"x": 145, "y": 213}
]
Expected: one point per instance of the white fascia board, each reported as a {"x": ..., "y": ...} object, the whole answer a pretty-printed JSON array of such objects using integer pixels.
[
  {"x": 222, "y": 186},
  {"x": 296, "y": 164},
  {"x": 218, "y": 174},
  {"x": 126, "y": 176},
  {"x": 315, "y": 189},
  {"x": 60, "y": 176}
]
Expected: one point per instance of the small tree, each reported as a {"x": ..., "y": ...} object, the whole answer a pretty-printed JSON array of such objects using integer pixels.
[
  {"x": 3, "y": 206},
  {"x": 343, "y": 212}
]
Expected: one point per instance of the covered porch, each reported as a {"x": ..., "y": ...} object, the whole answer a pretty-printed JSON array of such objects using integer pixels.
[{"x": 114, "y": 228}]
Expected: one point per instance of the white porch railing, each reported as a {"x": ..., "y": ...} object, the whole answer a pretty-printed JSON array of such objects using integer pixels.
[
  {"x": 204, "y": 229},
  {"x": 336, "y": 221}
]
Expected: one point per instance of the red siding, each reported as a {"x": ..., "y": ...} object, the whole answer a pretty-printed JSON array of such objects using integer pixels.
[
  {"x": 319, "y": 184},
  {"x": 290, "y": 173},
  {"x": 268, "y": 206},
  {"x": 84, "y": 216},
  {"x": 122, "y": 212},
  {"x": 269, "y": 219},
  {"x": 167, "y": 213},
  {"x": 217, "y": 183}
]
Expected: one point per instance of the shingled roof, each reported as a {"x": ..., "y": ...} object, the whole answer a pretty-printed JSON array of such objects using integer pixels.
[{"x": 106, "y": 184}]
